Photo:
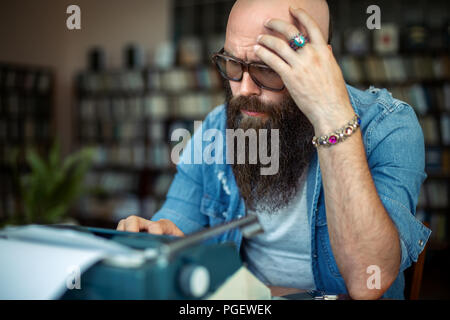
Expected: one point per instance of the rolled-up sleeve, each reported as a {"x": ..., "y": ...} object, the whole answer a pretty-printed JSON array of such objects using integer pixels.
[
  {"x": 184, "y": 198},
  {"x": 396, "y": 157},
  {"x": 182, "y": 205}
]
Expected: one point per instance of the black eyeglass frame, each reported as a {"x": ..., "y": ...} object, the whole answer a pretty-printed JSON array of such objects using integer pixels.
[{"x": 245, "y": 68}]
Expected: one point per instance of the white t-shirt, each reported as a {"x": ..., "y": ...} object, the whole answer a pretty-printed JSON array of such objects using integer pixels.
[{"x": 281, "y": 256}]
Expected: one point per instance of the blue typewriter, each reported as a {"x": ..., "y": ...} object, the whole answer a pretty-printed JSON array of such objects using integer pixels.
[{"x": 161, "y": 267}]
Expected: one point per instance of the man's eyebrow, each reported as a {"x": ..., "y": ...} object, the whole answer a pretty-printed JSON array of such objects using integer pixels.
[{"x": 231, "y": 55}]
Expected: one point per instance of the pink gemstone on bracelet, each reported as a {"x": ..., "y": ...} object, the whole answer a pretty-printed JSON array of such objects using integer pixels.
[{"x": 332, "y": 139}]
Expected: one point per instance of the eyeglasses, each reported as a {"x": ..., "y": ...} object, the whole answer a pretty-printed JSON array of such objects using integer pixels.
[{"x": 233, "y": 69}]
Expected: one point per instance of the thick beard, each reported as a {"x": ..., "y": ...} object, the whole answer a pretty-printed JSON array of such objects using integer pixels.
[{"x": 271, "y": 193}]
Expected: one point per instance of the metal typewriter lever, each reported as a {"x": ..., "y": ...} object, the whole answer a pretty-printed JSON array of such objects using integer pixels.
[{"x": 249, "y": 226}]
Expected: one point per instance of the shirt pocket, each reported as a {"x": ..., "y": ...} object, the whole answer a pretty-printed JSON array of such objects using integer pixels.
[{"x": 215, "y": 210}]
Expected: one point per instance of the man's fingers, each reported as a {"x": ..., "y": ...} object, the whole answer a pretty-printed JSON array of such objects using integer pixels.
[
  {"x": 313, "y": 30},
  {"x": 155, "y": 228},
  {"x": 136, "y": 224},
  {"x": 288, "y": 30},
  {"x": 164, "y": 226},
  {"x": 171, "y": 228},
  {"x": 121, "y": 225},
  {"x": 278, "y": 46},
  {"x": 132, "y": 224},
  {"x": 272, "y": 60}
]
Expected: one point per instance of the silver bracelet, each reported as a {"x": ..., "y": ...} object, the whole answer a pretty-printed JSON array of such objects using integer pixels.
[{"x": 338, "y": 135}]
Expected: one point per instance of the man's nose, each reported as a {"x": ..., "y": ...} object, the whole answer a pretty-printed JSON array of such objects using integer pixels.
[{"x": 248, "y": 86}]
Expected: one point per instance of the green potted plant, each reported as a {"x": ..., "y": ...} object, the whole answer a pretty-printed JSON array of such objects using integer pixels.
[{"x": 52, "y": 185}]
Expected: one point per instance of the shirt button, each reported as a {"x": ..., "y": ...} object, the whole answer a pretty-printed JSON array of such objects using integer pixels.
[
  {"x": 224, "y": 214},
  {"x": 315, "y": 256},
  {"x": 421, "y": 242}
]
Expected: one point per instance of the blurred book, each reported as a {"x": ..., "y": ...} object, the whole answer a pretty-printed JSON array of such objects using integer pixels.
[
  {"x": 162, "y": 184},
  {"x": 129, "y": 204},
  {"x": 417, "y": 98},
  {"x": 445, "y": 129},
  {"x": 155, "y": 130},
  {"x": 133, "y": 57},
  {"x": 132, "y": 80},
  {"x": 139, "y": 157},
  {"x": 158, "y": 155},
  {"x": 196, "y": 105},
  {"x": 395, "y": 69},
  {"x": 164, "y": 57},
  {"x": 446, "y": 89},
  {"x": 375, "y": 69},
  {"x": 433, "y": 159},
  {"x": 416, "y": 37},
  {"x": 190, "y": 51},
  {"x": 437, "y": 194},
  {"x": 44, "y": 82},
  {"x": 177, "y": 80},
  {"x": 103, "y": 108},
  {"x": 153, "y": 80},
  {"x": 207, "y": 78},
  {"x": 386, "y": 39},
  {"x": 149, "y": 207},
  {"x": 87, "y": 109},
  {"x": 430, "y": 130},
  {"x": 156, "y": 107},
  {"x": 446, "y": 161},
  {"x": 423, "y": 67},
  {"x": 351, "y": 69},
  {"x": 357, "y": 41},
  {"x": 119, "y": 108},
  {"x": 446, "y": 34},
  {"x": 438, "y": 224}
]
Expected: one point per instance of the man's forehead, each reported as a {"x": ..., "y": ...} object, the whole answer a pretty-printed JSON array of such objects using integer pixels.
[
  {"x": 249, "y": 23},
  {"x": 246, "y": 22},
  {"x": 247, "y": 18}
]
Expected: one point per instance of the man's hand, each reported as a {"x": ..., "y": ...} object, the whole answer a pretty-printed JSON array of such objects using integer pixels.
[
  {"x": 311, "y": 74},
  {"x": 137, "y": 224}
]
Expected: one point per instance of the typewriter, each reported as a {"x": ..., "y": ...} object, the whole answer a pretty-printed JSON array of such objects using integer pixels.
[{"x": 162, "y": 267}]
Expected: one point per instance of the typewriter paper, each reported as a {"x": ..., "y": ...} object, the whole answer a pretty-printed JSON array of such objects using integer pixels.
[{"x": 41, "y": 263}]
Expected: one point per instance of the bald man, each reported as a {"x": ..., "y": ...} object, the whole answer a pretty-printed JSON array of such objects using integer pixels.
[{"x": 339, "y": 213}]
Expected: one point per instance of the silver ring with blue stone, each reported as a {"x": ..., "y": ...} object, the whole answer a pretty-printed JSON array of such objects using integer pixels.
[{"x": 298, "y": 41}]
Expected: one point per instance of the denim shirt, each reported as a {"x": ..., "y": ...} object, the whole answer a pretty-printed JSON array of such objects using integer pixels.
[{"x": 203, "y": 195}]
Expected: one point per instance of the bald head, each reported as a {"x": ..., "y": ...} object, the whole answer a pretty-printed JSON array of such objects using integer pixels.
[{"x": 246, "y": 20}]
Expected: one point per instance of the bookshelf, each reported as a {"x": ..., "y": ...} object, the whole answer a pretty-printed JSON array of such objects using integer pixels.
[
  {"x": 26, "y": 102},
  {"x": 410, "y": 57},
  {"x": 204, "y": 20},
  {"x": 128, "y": 116},
  {"x": 428, "y": 92}
]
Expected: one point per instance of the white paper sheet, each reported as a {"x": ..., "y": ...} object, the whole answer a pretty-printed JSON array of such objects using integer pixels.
[
  {"x": 38, "y": 271},
  {"x": 39, "y": 263},
  {"x": 63, "y": 237}
]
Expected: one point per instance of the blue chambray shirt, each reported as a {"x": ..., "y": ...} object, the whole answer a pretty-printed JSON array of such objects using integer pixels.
[{"x": 203, "y": 195}]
